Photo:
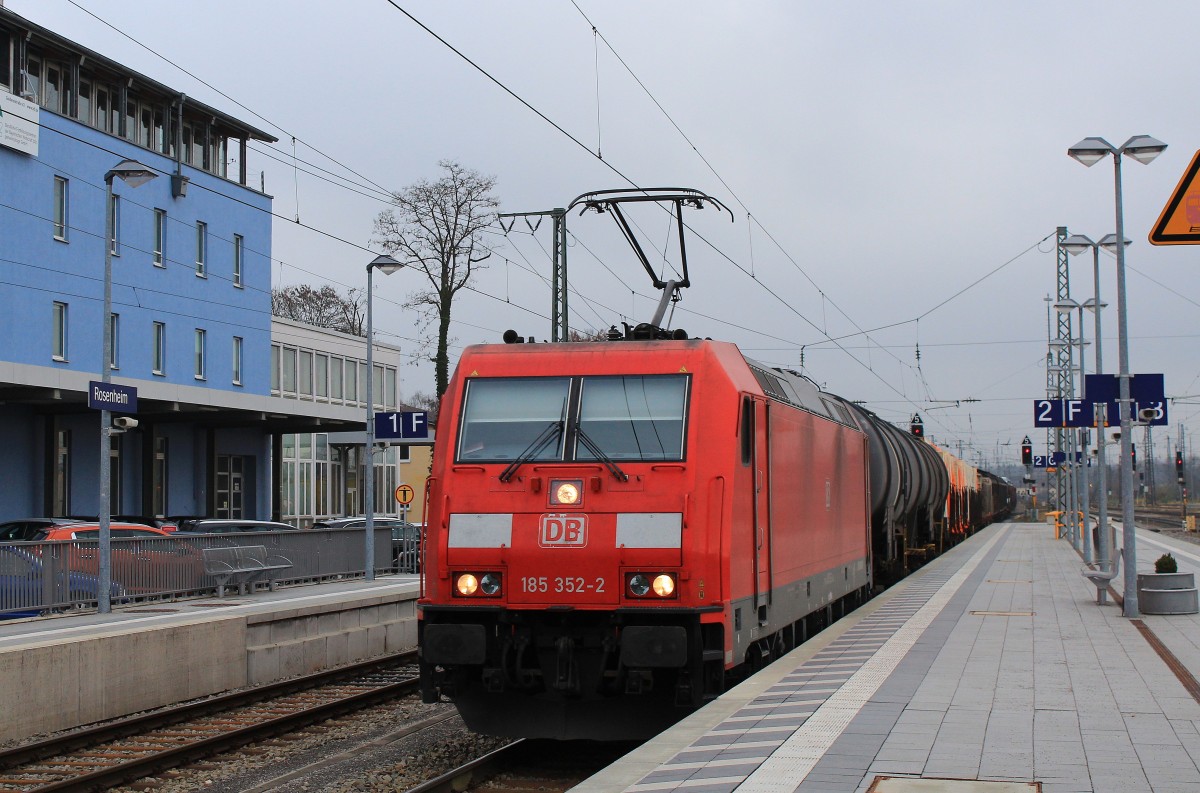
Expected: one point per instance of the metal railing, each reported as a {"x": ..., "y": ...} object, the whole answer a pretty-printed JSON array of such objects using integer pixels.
[{"x": 44, "y": 577}]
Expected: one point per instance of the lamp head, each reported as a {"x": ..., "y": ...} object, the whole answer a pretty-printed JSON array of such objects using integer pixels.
[
  {"x": 1066, "y": 306},
  {"x": 1143, "y": 148},
  {"x": 1090, "y": 304},
  {"x": 1077, "y": 243},
  {"x": 1090, "y": 151},
  {"x": 384, "y": 263},
  {"x": 131, "y": 172},
  {"x": 1109, "y": 242}
]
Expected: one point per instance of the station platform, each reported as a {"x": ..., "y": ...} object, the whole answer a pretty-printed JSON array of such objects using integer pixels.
[
  {"x": 992, "y": 669},
  {"x": 76, "y": 669}
]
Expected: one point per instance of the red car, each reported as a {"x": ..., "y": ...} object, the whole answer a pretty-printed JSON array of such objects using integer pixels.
[{"x": 144, "y": 559}]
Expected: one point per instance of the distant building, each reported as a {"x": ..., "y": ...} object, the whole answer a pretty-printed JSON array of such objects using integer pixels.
[{"x": 219, "y": 383}]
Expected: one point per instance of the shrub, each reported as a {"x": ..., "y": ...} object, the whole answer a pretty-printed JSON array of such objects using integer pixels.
[{"x": 1166, "y": 564}]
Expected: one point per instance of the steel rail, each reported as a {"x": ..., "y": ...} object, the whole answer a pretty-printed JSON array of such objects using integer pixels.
[{"x": 136, "y": 725}]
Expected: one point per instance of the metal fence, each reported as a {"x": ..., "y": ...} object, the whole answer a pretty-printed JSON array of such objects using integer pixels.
[{"x": 42, "y": 577}]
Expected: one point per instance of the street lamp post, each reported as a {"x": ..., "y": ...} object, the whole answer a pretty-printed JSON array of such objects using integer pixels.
[
  {"x": 134, "y": 174},
  {"x": 1090, "y": 151},
  {"x": 388, "y": 265},
  {"x": 1076, "y": 244}
]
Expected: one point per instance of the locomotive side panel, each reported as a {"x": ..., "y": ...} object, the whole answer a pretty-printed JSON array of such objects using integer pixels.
[{"x": 819, "y": 525}]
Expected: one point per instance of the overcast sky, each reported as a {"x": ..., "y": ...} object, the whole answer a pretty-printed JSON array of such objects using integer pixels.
[{"x": 891, "y": 154}]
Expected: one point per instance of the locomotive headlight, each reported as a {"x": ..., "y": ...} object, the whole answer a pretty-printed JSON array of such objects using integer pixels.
[
  {"x": 566, "y": 492},
  {"x": 467, "y": 584},
  {"x": 664, "y": 585},
  {"x": 490, "y": 584},
  {"x": 639, "y": 585}
]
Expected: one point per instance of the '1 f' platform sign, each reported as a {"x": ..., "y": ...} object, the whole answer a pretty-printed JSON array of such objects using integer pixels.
[{"x": 408, "y": 425}]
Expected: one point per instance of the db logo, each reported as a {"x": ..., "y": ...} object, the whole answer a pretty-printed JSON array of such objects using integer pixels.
[{"x": 563, "y": 531}]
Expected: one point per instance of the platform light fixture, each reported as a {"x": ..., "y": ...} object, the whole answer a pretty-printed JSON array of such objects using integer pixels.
[
  {"x": 387, "y": 265},
  {"x": 134, "y": 174},
  {"x": 1090, "y": 151}
]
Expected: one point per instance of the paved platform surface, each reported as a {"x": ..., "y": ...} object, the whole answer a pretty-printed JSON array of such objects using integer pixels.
[
  {"x": 992, "y": 666},
  {"x": 165, "y": 613}
]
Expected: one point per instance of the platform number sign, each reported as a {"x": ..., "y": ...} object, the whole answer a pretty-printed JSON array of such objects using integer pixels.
[{"x": 408, "y": 425}]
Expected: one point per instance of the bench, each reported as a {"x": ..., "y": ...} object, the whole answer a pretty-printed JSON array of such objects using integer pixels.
[
  {"x": 1101, "y": 579},
  {"x": 242, "y": 565}
]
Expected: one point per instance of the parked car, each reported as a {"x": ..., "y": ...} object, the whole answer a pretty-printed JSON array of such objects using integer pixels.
[
  {"x": 143, "y": 559},
  {"x": 183, "y": 521},
  {"x": 231, "y": 526},
  {"x": 406, "y": 538},
  {"x": 28, "y": 528},
  {"x": 23, "y": 588}
]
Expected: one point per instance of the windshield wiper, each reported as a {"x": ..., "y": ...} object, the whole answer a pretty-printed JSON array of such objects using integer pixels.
[
  {"x": 552, "y": 431},
  {"x": 600, "y": 455}
]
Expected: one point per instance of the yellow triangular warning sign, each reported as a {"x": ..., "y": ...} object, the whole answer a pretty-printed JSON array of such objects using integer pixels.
[{"x": 1179, "y": 223}]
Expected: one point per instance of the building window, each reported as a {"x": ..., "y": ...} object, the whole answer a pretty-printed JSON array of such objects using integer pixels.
[
  {"x": 289, "y": 370},
  {"x": 114, "y": 242},
  {"x": 160, "y": 237},
  {"x": 59, "y": 348},
  {"x": 33, "y": 78},
  {"x": 60, "y": 208},
  {"x": 351, "y": 381},
  {"x": 201, "y": 344},
  {"x": 55, "y": 95},
  {"x": 238, "y": 250},
  {"x": 321, "y": 375},
  {"x": 159, "y": 348},
  {"x": 114, "y": 333},
  {"x": 335, "y": 378},
  {"x": 275, "y": 368},
  {"x": 237, "y": 360},
  {"x": 390, "y": 384},
  {"x": 201, "y": 248},
  {"x": 84, "y": 110},
  {"x": 107, "y": 117},
  {"x": 306, "y": 379}
]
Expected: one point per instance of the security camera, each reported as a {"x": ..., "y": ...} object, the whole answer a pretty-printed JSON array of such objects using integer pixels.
[{"x": 123, "y": 423}]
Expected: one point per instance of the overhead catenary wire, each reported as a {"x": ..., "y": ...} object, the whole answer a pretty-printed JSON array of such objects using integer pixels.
[{"x": 867, "y": 365}]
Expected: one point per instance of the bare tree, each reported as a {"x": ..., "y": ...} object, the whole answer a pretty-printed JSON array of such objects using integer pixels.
[
  {"x": 437, "y": 227},
  {"x": 324, "y": 307},
  {"x": 427, "y": 402}
]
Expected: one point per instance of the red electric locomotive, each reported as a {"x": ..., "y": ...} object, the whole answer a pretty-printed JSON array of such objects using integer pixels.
[{"x": 612, "y": 526}]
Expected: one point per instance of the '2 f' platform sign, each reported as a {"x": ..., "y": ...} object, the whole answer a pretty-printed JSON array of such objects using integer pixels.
[{"x": 408, "y": 425}]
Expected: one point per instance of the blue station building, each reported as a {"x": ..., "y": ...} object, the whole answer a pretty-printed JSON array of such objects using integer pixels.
[{"x": 191, "y": 298}]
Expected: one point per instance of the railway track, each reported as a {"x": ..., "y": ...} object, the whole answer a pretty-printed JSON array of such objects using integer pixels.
[
  {"x": 1170, "y": 517},
  {"x": 116, "y": 753}
]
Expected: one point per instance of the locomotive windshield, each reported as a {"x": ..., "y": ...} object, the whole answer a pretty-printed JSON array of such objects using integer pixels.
[
  {"x": 634, "y": 417},
  {"x": 502, "y": 417}
]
